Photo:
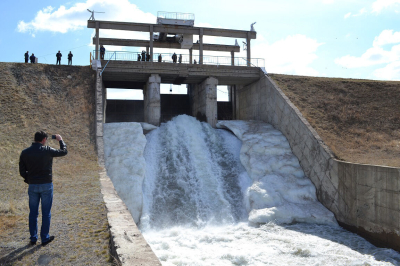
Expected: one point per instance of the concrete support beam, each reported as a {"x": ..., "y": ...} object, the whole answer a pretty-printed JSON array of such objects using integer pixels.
[
  {"x": 169, "y": 45},
  {"x": 172, "y": 29},
  {"x": 248, "y": 50},
  {"x": 152, "y": 100},
  {"x": 97, "y": 42},
  {"x": 100, "y": 116},
  {"x": 232, "y": 98},
  {"x": 232, "y": 58},
  {"x": 204, "y": 100},
  {"x": 191, "y": 56},
  {"x": 151, "y": 43},
  {"x": 201, "y": 46}
]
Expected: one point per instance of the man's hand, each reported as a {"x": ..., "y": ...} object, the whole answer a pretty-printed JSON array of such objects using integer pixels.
[{"x": 58, "y": 137}]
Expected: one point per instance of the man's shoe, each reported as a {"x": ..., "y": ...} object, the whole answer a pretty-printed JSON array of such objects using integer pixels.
[
  {"x": 32, "y": 243},
  {"x": 45, "y": 243}
]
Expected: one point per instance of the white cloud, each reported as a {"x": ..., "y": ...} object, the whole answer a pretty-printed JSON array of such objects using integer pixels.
[
  {"x": 373, "y": 56},
  {"x": 379, "y": 5},
  {"x": 63, "y": 20},
  {"x": 361, "y": 12},
  {"x": 386, "y": 37},
  {"x": 389, "y": 72},
  {"x": 292, "y": 55},
  {"x": 378, "y": 55}
]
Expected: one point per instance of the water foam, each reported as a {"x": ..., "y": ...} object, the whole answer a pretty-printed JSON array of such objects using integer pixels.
[{"x": 198, "y": 198}]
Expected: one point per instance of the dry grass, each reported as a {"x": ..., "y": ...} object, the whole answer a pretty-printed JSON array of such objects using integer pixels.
[
  {"x": 358, "y": 119},
  {"x": 43, "y": 97}
]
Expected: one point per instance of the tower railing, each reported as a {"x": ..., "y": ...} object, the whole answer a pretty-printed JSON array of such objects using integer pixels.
[
  {"x": 167, "y": 58},
  {"x": 175, "y": 15}
]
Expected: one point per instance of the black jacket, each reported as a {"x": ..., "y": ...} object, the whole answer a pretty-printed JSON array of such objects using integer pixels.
[
  {"x": 58, "y": 55},
  {"x": 36, "y": 162}
]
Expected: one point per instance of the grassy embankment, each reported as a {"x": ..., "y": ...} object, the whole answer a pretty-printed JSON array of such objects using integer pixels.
[
  {"x": 59, "y": 100},
  {"x": 358, "y": 119}
]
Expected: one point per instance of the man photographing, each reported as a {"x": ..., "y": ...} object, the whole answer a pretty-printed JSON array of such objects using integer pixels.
[{"x": 35, "y": 166}]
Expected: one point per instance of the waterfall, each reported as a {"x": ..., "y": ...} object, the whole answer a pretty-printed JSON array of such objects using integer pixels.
[{"x": 193, "y": 176}]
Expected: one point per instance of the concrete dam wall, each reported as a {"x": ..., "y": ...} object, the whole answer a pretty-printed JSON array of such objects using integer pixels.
[{"x": 364, "y": 198}]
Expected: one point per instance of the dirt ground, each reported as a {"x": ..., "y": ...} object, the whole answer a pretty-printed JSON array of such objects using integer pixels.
[
  {"x": 59, "y": 100},
  {"x": 359, "y": 120}
]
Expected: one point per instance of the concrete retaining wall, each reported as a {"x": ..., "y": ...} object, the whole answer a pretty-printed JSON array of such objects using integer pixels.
[
  {"x": 127, "y": 243},
  {"x": 358, "y": 195}
]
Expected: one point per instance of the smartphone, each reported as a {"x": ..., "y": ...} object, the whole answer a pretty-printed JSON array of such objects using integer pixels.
[{"x": 53, "y": 136}]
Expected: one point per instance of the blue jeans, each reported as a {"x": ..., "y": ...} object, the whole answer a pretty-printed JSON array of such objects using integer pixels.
[{"x": 36, "y": 193}]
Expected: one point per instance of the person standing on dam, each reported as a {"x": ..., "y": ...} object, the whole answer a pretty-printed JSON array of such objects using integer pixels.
[
  {"x": 26, "y": 56},
  {"x": 70, "y": 55},
  {"x": 143, "y": 55},
  {"x": 102, "y": 52},
  {"x": 32, "y": 58},
  {"x": 36, "y": 166},
  {"x": 58, "y": 55}
]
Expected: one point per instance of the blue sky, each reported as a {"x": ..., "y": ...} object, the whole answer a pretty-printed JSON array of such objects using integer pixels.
[{"x": 329, "y": 38}]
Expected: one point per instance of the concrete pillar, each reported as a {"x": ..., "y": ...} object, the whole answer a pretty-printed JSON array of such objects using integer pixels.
[
  {"x": 97, "y": 41},
  {"x": 232, "y": 58},
  {"x": 147, "y": 50},
  {"x": 100, "y": 115},
  {"x": 248, "y": 49},
  {"x": 204, "y": 100},
  {"x": 190, "y": 56},
  {"x": 151, "y": 43},
  {"x": 232, "y": 99},
  {"x": 152, "y": 100},
  {"x": 201, "y": 46}
]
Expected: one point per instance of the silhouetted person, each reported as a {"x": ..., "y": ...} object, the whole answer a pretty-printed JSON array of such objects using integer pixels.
[
  {"x": 32, "y": 58},
  {"x": 102, "y": 52},
  {"x": 139, "y": 57},
  {"x": 143, "y": 55},
  {"x": 174, "y": 58},
  {"x": 159, "y": 58},
  {"x": 26, "y": 56},
  {"x": 36, "y": 166},
  {"x": 180, "y": 58},
  {"x": 147, "y": 57},
  {"x": 70, "y": 55},
  {"x": 58, "y": 55}
]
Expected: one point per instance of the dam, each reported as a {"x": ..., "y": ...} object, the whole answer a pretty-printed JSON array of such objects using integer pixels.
[{"x": 359, "y": 198}]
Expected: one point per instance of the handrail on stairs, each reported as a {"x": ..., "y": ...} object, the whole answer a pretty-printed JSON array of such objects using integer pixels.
[
  {"x": 262, "y": 68},
  {"x": 114, "y": 54}
]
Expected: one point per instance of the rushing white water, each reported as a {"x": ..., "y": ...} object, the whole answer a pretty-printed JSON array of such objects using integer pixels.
[{"x": 202, "y": 207}]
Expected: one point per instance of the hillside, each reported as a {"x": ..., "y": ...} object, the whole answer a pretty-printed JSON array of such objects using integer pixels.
[
  {"x": 59, "y": 100},
  {"x": 358, "y": 119}
]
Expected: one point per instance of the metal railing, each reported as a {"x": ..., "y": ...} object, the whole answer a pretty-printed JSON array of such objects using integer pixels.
[
  {"x": 175, "y": 15},
  {"x": 167, "y": 58},
  {"x": 107, "y": 63}
]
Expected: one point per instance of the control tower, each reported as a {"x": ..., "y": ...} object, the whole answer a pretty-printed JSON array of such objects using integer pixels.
[
  {"x": 147, "y": 69},
  {"x": 178, "y": 19}
]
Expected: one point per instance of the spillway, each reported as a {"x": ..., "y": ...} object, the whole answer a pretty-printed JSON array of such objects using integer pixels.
[{"x": 204, "y": 196}]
